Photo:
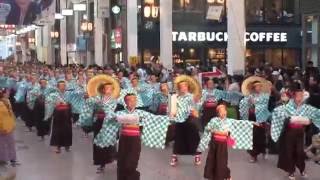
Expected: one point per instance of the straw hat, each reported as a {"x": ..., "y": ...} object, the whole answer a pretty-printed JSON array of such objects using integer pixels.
[
  {"x": 194, "y": 85},
  {"x": 249, "y": 83},
  {"x": 95, "y": 82}
]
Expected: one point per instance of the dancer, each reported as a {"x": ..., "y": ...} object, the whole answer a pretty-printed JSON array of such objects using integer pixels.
[
  {"x": 58, "y": 107},
  {"x": 36, "y": 102},
  {"x": 210, "y": 98},
  {"x": 222, "y": 132},
  {"x": 186, "y": 130},
  {"x": 130, "y": 121},
  {"x": 287, "y": 127},
  {"x": 103, "y": 91},
  {"x": 255, "y": 108}
]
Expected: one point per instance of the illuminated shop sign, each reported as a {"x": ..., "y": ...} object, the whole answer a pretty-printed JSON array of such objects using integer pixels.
[{"x": 277, "y": 37}]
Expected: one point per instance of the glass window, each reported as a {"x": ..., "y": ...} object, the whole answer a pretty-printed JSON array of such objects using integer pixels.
[
  {"x": 188, "y": 5},
  {"x": 290, "y": 11},
  {"x": 273, "y": 11},
  {"x": 254, "y": 11}
]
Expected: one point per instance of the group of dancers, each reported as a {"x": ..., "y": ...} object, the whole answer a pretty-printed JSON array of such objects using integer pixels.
[{"x": 126, "y": 112}]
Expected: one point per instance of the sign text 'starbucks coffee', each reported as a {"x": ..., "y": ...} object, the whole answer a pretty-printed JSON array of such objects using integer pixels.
[{"x": 276, "y": 37}]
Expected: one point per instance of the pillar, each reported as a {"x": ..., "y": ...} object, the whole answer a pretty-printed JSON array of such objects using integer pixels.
[
  {"x": 63, "y": 34},
  {"x": 166, "y": 33},
  {"x": 98, "y": 37},
  {"x": 315, "y": 41},
  {"x": 132, "y": 28},
  {"x": 236, "y": 33}
]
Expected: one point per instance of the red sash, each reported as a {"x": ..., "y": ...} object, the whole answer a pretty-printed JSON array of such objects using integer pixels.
[
  {"x": 210, "y": 104},
  {"x": 162, "y": 108},
  {"x": 62, "y": 107},
  {"x": 130, "y": 130},
  {"x": 100, "y": 115},
  {"x": 295, "y": 126},
  {"x": 223, "y": 138}
]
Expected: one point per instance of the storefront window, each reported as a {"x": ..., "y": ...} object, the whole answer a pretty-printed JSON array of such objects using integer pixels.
[
  {"x": 216, "y": 55},
  {"x": 276, "y": 57},
  {"x": 254, "y": 10},
  {"x": 272, "y": 11},
  {"x": 188, "y": 5}
]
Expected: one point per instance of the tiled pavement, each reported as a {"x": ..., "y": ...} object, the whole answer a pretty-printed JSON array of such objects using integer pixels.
[{"x": 38, "y": 162}]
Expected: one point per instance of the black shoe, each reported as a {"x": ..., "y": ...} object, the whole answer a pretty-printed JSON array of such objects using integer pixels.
[{"x": 14, "y": 163}]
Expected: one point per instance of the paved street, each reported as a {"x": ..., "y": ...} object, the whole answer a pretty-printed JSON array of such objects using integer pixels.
[{"x": 40, "y": 163}]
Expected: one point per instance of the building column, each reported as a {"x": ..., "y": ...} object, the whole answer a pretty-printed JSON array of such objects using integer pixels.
[
  {"x": 166, "y": 33},
  {"x": 98, "y": 37},
  {"x": 236, "y": 33},
  {"x": 63, "y": 34},
  {"x": 132, "y": 29},
  {"x": 48, "y": 56},
  {"x": 315, "y": 41}
]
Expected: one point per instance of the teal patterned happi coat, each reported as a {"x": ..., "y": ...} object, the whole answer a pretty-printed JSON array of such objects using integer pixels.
[
  {"x": 261, "y": 103},
  {"x": 214, "y": 95},
  {"x": 3, "y": 81},
  {"x": 154, "y": 129},
  {"x": 281, "y": 113},
  {"x": 158, "y": 98},
  {"x": 37, "y": 91},
  {"x": 77, "y": 97},
  {"x": 185, "y": 104},
  {"x": 22, "y": 88},
  {"x": 144, "y": 95},
  {"x": 93, "y": 104},
  {"x": 58, "y": 97},
  {"x": 240, "y": 130}
]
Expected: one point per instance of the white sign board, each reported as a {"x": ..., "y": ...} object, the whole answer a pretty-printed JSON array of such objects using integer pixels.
[{"x": 214, "y": 12}]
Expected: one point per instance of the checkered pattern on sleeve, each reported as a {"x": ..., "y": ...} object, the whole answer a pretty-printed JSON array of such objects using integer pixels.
[
  {"x": 50, "y": 102},
  {"x": 279, "y": 116},
  {"x": 154, "y": 130},
  {"x": 244, "y": 108},
  {"x": 32, "y": 97},
  {"x": 146, "y": 94},
  {"x": 183, "y": 107},
  {"x": 76, "y": 99},
  {"x": 86, "y": 115},
  {"x": 261, "y": 108},
  {"x": 242, "y": 132},
  {"x": 206, "y": 137},
  {"x": 108, "y": 134},
  {"x": 314, "y": 115}
]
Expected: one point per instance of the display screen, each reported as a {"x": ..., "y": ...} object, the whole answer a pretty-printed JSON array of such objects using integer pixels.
[{"x": 26, "y": 12}]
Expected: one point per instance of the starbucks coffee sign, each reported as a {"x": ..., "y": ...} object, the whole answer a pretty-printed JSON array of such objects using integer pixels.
[{"x": 276, "y": 37}]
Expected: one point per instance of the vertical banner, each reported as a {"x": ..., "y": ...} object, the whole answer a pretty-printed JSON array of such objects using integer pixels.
[{"x": 236, "y": 33}]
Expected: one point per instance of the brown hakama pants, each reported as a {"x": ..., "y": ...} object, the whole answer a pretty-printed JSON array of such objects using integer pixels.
[
  {"x": 216, "y": 167},
  {"x": 291, "y": 151}
]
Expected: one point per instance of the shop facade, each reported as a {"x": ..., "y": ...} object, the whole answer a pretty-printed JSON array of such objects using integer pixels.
[{"x": 200, "y": 36}]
